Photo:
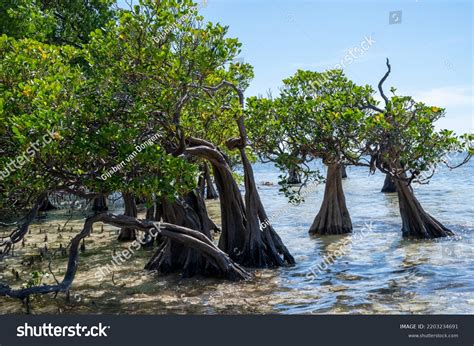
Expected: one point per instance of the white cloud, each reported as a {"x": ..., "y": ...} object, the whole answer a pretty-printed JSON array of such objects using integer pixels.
[
  {"x": 453, "y": 96},
  {"x": 457, "y": 100}
]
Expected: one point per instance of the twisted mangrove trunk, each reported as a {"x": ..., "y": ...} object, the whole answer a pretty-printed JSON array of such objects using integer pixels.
[
  {"x": 262, "y": 247},
  {"x": 293, "y": 176},
  {"x": 100, "y": 203},
  {"x": 211, "y": 192},
  {"x": 416, "y": 222},
  {"x": 333, "y": 216},
  {"x": 343, "y": 171},
  {"x": 182, "y": 235},
  {"x": 130, "y": 206},
  {"x": 388, "y": 185},
  {"x": 171, "y": 256}
]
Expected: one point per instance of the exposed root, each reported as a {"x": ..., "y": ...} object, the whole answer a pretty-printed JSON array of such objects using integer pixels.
[
  {"x": 416, "y": 222},
  {"x": 182, "y": 235},
  {"x": 333, "y": 216}
]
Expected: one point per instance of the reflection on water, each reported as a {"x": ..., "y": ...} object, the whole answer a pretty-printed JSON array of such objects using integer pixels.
[{"x": 373, "y": 272}]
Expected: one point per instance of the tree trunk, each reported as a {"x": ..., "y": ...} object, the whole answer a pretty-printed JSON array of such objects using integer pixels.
[
  {"x": 22, "y": 230},
  {"x": 231, "y": 203},
  {"x": 201, "y": 185},
  {"x": 172, "y": 256},
  {"x": 293, "y": 176},
  {"x": 100, "y": 203},
  {"x": 140, "y": 200},
  {"x": 262, "y": 247},
  {"x": 333, "y": 217},
  {"x": 128, "y": 234},
  {"x": 181, "y": 235},
  {"x": 211, "y": 192},
  {"x": 153, "y": 213},
  {"x": 233, "y": 220},
  {"x": 242, "y": 237},
  {"x": 388, "y": 185},
  {"x": 47, "y": 205},
  {"x": 343, "y": 171},
  {"x": 417, "y": 223}
]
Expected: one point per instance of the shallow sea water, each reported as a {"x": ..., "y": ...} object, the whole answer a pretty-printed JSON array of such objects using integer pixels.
[{"x": 371, "y": 271}]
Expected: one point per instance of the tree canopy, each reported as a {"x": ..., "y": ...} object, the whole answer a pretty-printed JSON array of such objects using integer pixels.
[{"x": 97, "y": 100}]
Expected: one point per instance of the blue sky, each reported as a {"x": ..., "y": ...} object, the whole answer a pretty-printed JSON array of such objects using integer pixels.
[{"x": 430, "y": 49}]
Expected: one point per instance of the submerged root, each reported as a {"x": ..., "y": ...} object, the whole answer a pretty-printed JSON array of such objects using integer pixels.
[
  {"x": 416, "y": 222},
  {"x": 333, "y": 216}
]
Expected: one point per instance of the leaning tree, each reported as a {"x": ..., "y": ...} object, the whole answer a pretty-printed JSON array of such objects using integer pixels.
[
  {"x": 243, "y": 236},
  {"x": 404, "y": 144},
  {"x": 93, "y": 113},
  {"x": 133, "y": 83}
]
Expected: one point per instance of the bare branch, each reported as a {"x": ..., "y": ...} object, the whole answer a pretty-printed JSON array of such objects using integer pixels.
[{"x": 389, "y": 69}]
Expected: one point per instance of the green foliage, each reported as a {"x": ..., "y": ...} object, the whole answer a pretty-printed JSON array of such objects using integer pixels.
[
  {"x": 54, "y": 21},
  {"x": 141, "y": 76},
  {"x": 97, "y": 83},
  {"x": 316, "y": 116},
  {"x": 25, "y": 19},
  {"x": 406, "y": 142},
  {"x": 38, "y": 92}
]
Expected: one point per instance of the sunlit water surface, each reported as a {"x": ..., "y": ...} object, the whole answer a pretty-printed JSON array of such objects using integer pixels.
[{"x": 370, "y": 271}]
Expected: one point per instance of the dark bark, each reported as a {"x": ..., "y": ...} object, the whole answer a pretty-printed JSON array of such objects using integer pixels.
[
  {"x": 47, "y": 205},
  {"x": 100, "y": 203},
  {"x": 211, "y": 192},
  {"x": 182, "y": 235},
  {"x": 263, "y": 247},
  {"x": 293, "y": 176},
  {"x": 231, "y": 204},
  {"x": 201, "y": 183},
  {"x": 173, "y": 257},
  {"x": 233, "y": 221},
  {"x": 416, "y": 222},
  {"x": 343, "y": 171},
  {"x": 242, "y": 237},
  {"x": 130, "y": 209},
  {"x": 153, "y": 213},
  {"x": 20, "y": 232},
  {"x": 140, "y": 200},
  {"x": 201, "y": 191},
  {"x": 333, "y": 216},
  {"x": 388, "y": 185},
  {"x": 199, "y": 205}
]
